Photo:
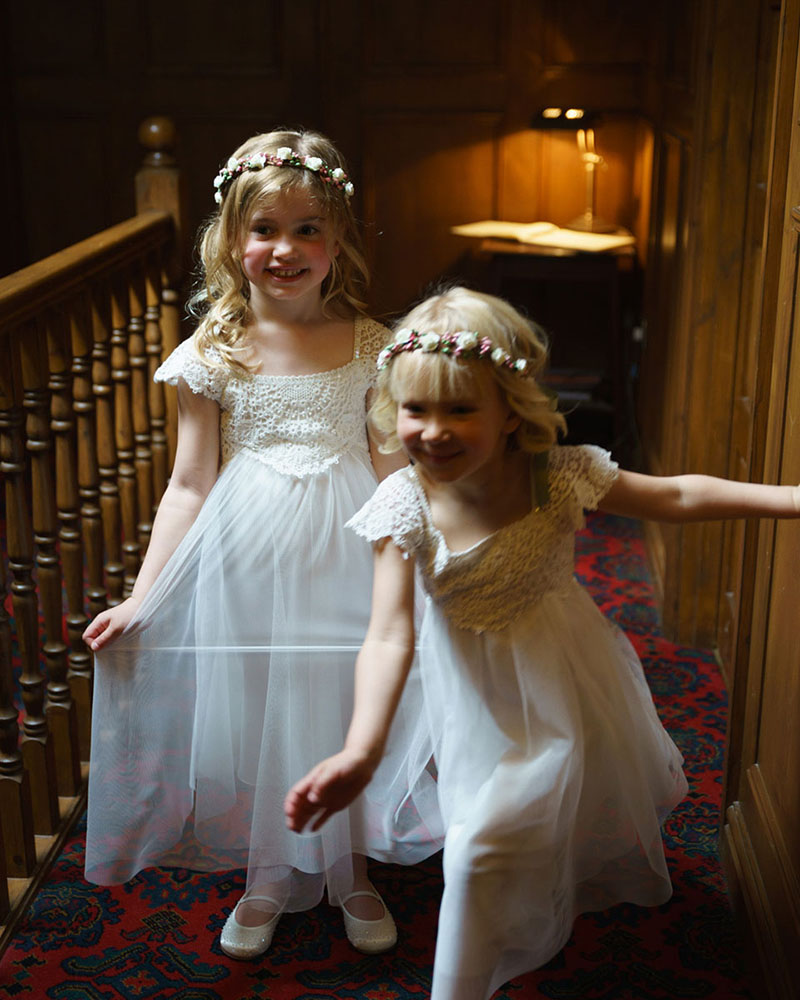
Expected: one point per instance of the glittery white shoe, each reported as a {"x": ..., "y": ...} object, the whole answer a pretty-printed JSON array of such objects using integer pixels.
[
  {"x": 242, "y": 942},
  {"x": 369, "y": 936}
]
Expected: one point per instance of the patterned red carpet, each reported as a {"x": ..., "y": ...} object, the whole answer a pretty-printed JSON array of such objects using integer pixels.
[{"x": 156, "y": 937}]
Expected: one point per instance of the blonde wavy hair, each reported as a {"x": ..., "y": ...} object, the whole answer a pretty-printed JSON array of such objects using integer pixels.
[
  {"x": 441, "y": 375},
  {"x": 221, "y": 297}
]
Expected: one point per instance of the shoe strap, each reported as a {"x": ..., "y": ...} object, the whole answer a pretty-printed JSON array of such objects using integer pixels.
[
  {"x": 373, "y": 892},
  {"x": 260, "y": 899}
]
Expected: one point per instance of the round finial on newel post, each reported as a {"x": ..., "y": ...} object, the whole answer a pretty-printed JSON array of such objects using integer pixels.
[
  {"x": 157, "y": 134},
  {"x": 159, "y": 185}
]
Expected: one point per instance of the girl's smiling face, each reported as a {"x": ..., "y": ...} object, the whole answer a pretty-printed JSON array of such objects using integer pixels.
[
  {"x": 287, "y": 248},
  {"x": 453, "y": 434}
]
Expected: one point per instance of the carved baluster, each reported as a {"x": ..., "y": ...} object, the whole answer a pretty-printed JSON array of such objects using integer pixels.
[
  {"x": 123, "y": 431},
  {"x": 50, "y": 412},
  {"x": 62, "y": 712},
  {"x": 16, "y": 807},
  {"x": 80, "y": 659},
  {"x": 155, "y": 390},
  {"x": 171, "y": 336},
  {"x": 5, "y": 905},
  {"x": 103, "y": 390},
  {"x": 37, "y": 746},
  {"x": 160, "y": 185},
  {"x": 141, "y": 410}
]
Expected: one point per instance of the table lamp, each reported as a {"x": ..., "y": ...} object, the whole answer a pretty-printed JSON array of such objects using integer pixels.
[{"x": 580, "y": 121}]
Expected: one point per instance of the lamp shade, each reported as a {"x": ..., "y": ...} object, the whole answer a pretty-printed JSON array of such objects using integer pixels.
[{"x": 568, "y": 118}]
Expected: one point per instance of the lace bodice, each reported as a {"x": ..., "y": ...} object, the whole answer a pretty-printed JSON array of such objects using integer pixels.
[
  {"x": 489, "y": 585},
  {"x": 297, "y": 424}
]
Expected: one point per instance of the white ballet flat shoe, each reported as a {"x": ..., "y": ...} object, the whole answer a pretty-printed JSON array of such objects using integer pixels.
[
  {"x": 238, "y": 941},
  {"x": 369, "y": 936}
]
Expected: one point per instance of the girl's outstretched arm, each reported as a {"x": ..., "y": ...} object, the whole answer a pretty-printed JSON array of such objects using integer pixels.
[
  {"x": 193, "y": 474},
  {"x": 697, "y": 498},
  {"x": 382, "y": 666}
]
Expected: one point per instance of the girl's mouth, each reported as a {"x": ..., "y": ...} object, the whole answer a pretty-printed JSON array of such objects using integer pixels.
[{"x": 286, "y": 273}]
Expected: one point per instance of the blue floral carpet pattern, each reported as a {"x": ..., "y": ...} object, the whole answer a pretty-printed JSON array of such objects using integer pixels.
[{"x": 158, "y": 935}]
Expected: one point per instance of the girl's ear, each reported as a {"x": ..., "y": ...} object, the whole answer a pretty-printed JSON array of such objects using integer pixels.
[{"x": 513, "y": 420}]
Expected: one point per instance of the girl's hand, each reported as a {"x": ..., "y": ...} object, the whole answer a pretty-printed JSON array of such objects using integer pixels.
[
  {"x": 327, "y": 788},
  {"x": 109, "y": 624}
]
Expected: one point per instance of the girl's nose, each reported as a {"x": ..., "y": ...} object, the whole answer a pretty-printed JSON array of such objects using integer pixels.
[
  {"x": 435, "y": 429},
  {"x": 283, "y": 245}
]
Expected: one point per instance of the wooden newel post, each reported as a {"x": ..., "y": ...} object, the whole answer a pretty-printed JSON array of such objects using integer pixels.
[{"x": 160, "y": 187}]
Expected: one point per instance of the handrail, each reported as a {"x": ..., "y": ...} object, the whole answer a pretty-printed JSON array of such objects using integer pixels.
[{"x": 32, "y": 289}]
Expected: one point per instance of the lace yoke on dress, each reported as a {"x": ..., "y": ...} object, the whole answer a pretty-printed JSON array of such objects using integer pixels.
[
  {"x": 489, "y": 585},
  {"x": 297, "y": 424}
]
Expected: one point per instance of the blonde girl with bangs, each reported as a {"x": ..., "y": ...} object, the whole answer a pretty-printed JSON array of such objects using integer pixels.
[
  {"x": 229, "y": 670},
  {"x": 554, "y": 771}
]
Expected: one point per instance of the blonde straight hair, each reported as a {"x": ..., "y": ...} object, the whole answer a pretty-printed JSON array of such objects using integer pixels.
[{"x": 442, "y": 375}]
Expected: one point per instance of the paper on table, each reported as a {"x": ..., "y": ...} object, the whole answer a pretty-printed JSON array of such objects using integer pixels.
[
  {"x": 504, "y": 230},
  {"x": 545, "y": 234}
]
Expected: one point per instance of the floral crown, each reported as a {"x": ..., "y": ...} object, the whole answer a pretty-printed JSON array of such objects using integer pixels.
[
  {"x": 284, "y": 157},
  {"x": 466, "y": 344}
]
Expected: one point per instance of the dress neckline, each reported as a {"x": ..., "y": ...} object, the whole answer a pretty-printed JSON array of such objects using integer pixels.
[{"x": 426, "y": 506}]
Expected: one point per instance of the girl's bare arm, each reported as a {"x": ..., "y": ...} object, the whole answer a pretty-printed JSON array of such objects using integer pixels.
[
  {"x": 697, "y": 498},
  {"x": 382, "y": 666},
  {"x": 194, "y": 473}
]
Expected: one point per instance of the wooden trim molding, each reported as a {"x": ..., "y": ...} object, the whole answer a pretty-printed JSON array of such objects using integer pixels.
[{"x": 763, "y": 886}]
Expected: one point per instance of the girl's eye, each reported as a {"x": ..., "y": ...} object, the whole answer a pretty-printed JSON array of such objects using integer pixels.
[
  {"x": 462, "y": 408},
  {"x": 413, "y": 409},
  {"x": 309, "y": 230},
  {"x": 261, "y": 229}
]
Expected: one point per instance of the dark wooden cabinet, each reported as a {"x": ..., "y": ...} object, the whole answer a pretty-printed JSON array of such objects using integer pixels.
[{"x": 588, "y": 304}]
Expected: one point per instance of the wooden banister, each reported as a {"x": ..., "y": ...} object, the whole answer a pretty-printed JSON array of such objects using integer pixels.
[{"x": 86, "y": 439}]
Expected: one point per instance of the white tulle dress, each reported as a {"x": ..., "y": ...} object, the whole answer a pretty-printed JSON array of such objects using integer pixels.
[
  {"x": 554, "y": 771},
  {"x": 236, "y": 676}
]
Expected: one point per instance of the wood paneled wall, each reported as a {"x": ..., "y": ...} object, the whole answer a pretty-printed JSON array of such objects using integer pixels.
[
  {"x": 706, "y": 255},
  {"x": 430, "y": 101},
  {"x": 719, "y": 389}
]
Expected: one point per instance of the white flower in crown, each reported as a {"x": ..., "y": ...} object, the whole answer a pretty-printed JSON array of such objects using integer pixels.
[
  {"x": 402, "y": 336},
  {"x": 312, "y": 163},
  {"x": 349, "y": 189},
  {"x": 218, "y": 197},
  {"x": 232, "y": 163},
  {"x": 521, "y": 365},
  {"x": 338, "y": 174},
  {"x": 499, "y": 356},
  {"x": 257, "y": 161},
  {"x": 466, "y": 340},
  {"x": 219, "y": 180},
  {"x": 285, "y": 153},
  {"x": 430, "y": 341}
]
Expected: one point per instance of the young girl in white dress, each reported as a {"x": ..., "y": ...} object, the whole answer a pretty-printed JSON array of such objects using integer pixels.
[
  {"x": 554, "y": 771},
  {"x": 229, "y": 670}
]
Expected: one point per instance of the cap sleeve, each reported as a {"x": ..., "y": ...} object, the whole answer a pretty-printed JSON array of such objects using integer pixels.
[
  {"x": 371, "y": 338},
  {"x": 185, "y": 363},
  {"x": 588, "y": 469},
  {"x": 393, "y": 511}
]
